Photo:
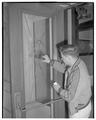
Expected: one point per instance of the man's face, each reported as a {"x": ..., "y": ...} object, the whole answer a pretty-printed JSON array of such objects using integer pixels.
[{"x": 66, "y": 59}]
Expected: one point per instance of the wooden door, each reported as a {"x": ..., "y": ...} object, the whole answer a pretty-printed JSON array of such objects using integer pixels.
[
  {"x": 36, "y": 73},
  {"x": 29, "y": 34}
]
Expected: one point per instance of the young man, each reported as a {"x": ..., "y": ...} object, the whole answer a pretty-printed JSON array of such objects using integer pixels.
[{"x": 77, "y": 87}]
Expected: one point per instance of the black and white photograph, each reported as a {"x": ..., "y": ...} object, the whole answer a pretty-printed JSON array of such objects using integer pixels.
[{"x": 47, "y": 59}]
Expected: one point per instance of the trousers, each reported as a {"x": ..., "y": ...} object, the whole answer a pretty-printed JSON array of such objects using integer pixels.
[{"x": 83, "y": 113}]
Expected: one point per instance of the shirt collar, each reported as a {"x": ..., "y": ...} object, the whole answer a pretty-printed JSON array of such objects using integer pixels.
[{"x": 76, "y": 64}]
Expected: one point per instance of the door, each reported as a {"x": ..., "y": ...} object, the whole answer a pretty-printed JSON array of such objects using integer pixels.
[
  {"x": 36, "y": 73},
  {"x": 30, "y": 26},
  {"x": 29, "y": 36}
]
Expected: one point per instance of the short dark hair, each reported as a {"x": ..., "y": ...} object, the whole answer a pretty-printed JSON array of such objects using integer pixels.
[{"x": 70, "y": 50}]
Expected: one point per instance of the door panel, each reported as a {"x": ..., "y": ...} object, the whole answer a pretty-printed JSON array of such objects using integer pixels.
[
  {"x": 28, "y": 48},
  {"x": 41, "y": 38},
  {"x": 36, "y": 73}
]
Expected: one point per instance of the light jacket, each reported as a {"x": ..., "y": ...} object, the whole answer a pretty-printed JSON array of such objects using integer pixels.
[{"x": 78, "y": 91}]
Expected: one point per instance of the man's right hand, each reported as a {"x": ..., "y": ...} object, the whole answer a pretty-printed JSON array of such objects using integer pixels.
[{"x": 46, "y": 59}]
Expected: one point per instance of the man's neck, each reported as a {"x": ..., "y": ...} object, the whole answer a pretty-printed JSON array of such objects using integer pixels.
[{"x": 73, "y": 61}]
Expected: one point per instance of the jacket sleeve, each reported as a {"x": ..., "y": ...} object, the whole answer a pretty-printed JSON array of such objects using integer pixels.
[
  {"x": 59, "y": 66},
  {"x": 69, "y": 93}
]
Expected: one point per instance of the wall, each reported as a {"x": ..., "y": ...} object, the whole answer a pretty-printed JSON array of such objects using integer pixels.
[{"x": 7, "y": 111}]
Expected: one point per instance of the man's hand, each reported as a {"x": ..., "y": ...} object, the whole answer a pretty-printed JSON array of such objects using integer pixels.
[
  {"x": 46, "y": 59},
  {"x": 51, "y": 83}
]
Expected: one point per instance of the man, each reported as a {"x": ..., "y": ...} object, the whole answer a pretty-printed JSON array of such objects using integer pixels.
[{"x": 77, "y": 87}]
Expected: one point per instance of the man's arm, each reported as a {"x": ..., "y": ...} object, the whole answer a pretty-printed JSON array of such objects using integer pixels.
[
  {"x": 69, "y": 93},
  {"x": 58, "y": 65}
]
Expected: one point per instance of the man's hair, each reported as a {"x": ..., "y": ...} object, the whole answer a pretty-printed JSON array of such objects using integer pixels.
[
  {"x": 60, "y": 45},
  {"x": 69, "y": 50}
]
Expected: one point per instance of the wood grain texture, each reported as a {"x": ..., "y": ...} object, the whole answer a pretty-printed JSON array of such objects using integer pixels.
[
  {"x": 40, "y": 112},
  {"x": 6, "y": 113},
  {"x": 28, "y": 59},
  {"x": 42, "y": 69},
  {"x": 35, "y": 36},
  {"x": 7, "y": 105},
  {"x": 7, "y": 101}
]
